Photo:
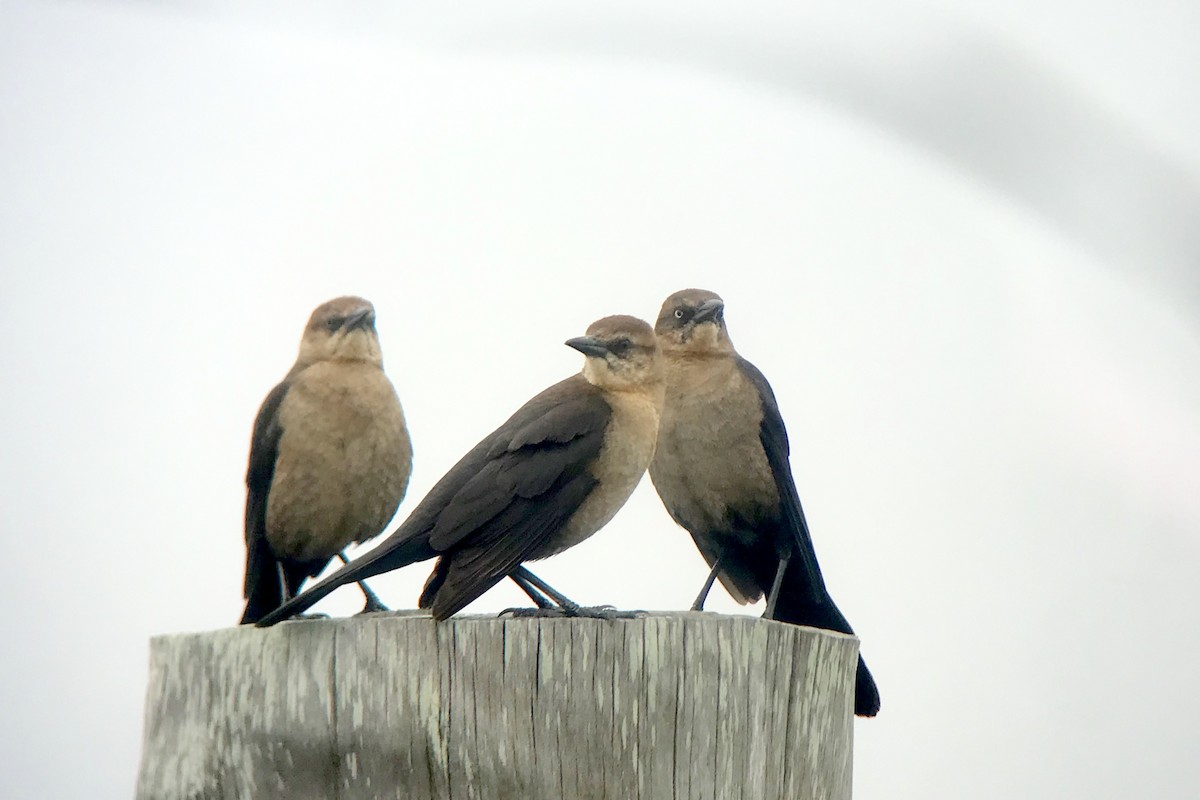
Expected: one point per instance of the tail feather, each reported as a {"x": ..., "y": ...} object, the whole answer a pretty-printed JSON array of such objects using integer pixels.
[
  {"x": 303, "y": 601},
  {"x": 866, "y": 693},
  {"x": 795, "y": 606},
  {"x": 382, "y": 559},
  {"x": 263, "y": 589}
]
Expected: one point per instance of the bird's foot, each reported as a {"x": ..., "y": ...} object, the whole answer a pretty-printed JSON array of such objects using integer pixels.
[
  {"x": 600, "y": 612},
  {"x": 373, "y": 606},
  {"x": 582, "y": 612},
  {"x": 524, "y": 613},
  {"x": 372, "y": 603}
]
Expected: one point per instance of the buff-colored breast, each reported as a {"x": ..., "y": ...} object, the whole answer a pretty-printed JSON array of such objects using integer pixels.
[
  {"x": 629, "y": 443},
  {"x": 709, "y": 452},
  {"x": 343, "y": 464}
]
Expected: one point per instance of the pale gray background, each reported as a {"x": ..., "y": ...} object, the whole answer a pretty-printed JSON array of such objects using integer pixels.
[{"x": 962, "y": 240}]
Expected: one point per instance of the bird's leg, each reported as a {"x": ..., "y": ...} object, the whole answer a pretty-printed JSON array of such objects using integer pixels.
[
  {"x": 773, "y": 598},
  {"x": 566, "y": 606},
  {"x": 284, "y": 594},
  {"x": 712, "y": 576},
  {"x": 544, "y": 604},
  {"x": 564, "y": 602},
  {"x": 373, "y": 603},
  {"x": 539, "y": 599}
]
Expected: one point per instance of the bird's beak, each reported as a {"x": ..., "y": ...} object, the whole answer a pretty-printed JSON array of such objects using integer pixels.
[
  {"x": 363, "y": 318},
  {"x": 709, "y": 310},
  {"x": 588, "y": 345}
]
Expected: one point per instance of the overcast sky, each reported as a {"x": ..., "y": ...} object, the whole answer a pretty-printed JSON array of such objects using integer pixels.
[{"x": 960, "y": 239}]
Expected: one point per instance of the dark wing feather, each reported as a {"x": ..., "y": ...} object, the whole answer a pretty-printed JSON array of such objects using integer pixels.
[
  {"x": 262, "y": 588},
  {"x": 511, "y": 509},
  {"x": 556, "y": 434},
  {"x": 559, "y": 423},
  {"x": 515, "y": 535},
  {"x": 806, "y": 601},
  {"x": 773, "y": 436}
]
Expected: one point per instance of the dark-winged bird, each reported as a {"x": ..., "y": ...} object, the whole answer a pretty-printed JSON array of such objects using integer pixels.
[
  {"x": 722, "y": 471},
  {"x": 548, "y": 478},
  {"x": 330, "y": 457}
]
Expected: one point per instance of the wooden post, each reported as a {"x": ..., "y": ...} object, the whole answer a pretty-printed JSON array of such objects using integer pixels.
[{"x": 667, "y": 706}]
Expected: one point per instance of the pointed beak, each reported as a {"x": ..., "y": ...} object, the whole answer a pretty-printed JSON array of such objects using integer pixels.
[
  {"x": 588, "y": 345},
  {"x": 709, "y": 310},
  {"x": 364, "y": 318}
]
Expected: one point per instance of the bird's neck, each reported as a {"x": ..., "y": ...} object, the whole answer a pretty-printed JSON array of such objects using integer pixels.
[{"x": 691, "y": 371}]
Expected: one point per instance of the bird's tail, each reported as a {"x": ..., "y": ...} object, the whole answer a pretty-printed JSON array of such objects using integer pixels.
[
  {"x": 797, "y": 607},
  {"x": 866, "y": 693},
  {"x": 263, "y": 587},
  {"x": 381, "y": 559}
]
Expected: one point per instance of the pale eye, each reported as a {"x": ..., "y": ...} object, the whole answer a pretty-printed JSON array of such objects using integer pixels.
[{"x": 679, "y": 313}]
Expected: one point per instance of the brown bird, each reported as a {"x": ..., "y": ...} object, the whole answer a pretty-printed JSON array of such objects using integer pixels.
[
  {"x": 722, "y": 471},
  {"x": 330, "y": 457},
  {"x": 548, "y": 478}
]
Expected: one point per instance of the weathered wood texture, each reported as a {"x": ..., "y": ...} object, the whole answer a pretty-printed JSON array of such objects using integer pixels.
[{"x": 397, "y": 706}]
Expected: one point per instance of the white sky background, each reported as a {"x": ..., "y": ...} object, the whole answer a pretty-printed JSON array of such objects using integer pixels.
[{"x": 961, "y": 241}]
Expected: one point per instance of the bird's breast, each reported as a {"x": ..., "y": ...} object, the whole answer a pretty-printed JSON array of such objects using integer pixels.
[
  {"x": 710, "y": 466},
  {"x": 629, "y": 442},
  {"x": 343, "y": 464}
]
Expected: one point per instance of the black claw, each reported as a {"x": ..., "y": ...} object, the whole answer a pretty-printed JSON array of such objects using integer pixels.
[
  {"x": 602, "y": 612},
  {"x": 578, "y": 612},
  {"x": 373, "y": 607},
  {"x": 525, "y": 613}
]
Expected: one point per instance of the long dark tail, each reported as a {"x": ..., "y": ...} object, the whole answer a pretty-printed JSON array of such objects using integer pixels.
[
  {"x": 269, "y": 580},
  {"x": 797, "y": 606},
  {"x": 263, "y": 587},
  {"x": 384, "y": 558},
  {"x": 265, "y": 596}
]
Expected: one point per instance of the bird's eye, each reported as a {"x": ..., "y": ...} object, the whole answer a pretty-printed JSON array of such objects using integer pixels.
[
  {"x": 619, "y": 347},
  {"x": 333, "y": 323},
  {"x": 679, "y": 313}
]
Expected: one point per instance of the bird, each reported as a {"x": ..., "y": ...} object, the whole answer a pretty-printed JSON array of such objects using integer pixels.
[
  {"x": 722, "y": 471},
  {"x": 549, "y": 477},
  {"x": 330, "y": 458}
]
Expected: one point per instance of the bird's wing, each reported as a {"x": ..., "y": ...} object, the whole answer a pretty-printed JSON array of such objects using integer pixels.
[
  {"x": 262, "y": 588},
  {"x": 529, "y": 457},
  {"x": 774, "y": 438},
  {"x": 533, "y": 481},
  {"x": 520, "y": 530},
  {"x": 818, "y": 608}
]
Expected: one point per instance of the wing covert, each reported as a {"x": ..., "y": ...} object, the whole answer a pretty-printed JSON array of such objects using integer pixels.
[
  {"x": 774, "y": 439},
  {"x": 527, "y": 457}
]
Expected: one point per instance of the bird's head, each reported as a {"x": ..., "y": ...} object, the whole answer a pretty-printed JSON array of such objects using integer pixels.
[
  {"x": 342, "y": 329},
  {"x": 622, "y": 354},
  {"x": 692, "y": 323}
]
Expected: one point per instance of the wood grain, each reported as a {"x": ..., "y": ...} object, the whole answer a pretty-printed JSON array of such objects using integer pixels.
[{"x": 681, "y": 705}]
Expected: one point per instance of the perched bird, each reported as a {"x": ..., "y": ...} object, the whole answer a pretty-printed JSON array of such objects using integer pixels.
[
  {"x": 548, "y": 478},
  {"x": 330, "y": 457},
  {"x": 722, "y": 471}
]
